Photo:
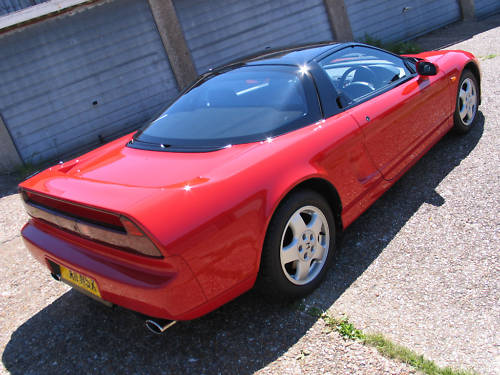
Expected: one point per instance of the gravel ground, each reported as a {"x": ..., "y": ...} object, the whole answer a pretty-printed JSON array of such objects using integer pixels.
[
  {"x": 421, "y": 266},
  {"x": 430, "y": 278}
]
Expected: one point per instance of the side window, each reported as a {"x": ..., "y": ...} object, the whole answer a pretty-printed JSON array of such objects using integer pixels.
[{"x": 359, "y": 71}]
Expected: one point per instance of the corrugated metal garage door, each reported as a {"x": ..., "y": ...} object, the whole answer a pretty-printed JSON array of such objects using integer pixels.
[
  {"x": 9, "y": 6},
  {"x": 70, "y": 80},
  {"x": 221, "y": 30},
  {"x": 486, "y": 7},
  {"x": 399, "y": 19}
]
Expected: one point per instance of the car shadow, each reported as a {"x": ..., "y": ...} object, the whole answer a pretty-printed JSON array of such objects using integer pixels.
[
  {"x": 8, "y": 184},
  {"x": 77, "y": 335}
]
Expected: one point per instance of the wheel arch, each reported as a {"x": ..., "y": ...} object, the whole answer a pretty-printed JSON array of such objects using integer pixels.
[
  {"x": 321, "y": 186},
  {"x": 326, "y": 189},
  {"x": 329, "y": 192}
]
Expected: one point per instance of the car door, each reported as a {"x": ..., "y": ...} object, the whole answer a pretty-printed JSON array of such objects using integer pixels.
[{"x": 395, "y": 108}]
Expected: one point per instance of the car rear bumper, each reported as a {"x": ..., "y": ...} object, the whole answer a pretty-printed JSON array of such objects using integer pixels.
[{"x": 162, "y": 288}]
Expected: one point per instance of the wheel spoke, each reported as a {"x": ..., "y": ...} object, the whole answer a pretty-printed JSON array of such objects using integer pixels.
[
  {"x": 303, "y": 268},
  {"x": 472, "y": 98},
  {"x": 462, "y": 95},
  {"x": 319, "y": 250},
  {"x": 315, "y": 224},
  {"x": 297, "y": 225},
  {"x": 470, "y": 112},
  {"x": 463, "y": 112},
  {"x": 290, "y": 253}
]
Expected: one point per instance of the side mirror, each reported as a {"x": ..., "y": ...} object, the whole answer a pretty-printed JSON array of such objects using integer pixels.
[{"x": 426, "y": 68}]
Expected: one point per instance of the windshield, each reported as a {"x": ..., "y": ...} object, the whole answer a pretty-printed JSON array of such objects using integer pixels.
[{"x": 243, "y": 105}]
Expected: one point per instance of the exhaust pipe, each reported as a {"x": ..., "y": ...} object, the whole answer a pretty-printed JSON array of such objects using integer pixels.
[{"x": 159, "y": 326}]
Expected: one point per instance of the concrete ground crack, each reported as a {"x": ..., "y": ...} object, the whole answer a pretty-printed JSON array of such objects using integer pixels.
[{"x": 10, "y": 239}]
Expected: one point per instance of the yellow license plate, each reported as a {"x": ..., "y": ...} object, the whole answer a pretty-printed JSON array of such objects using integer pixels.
[{"x": 80, "y": 280}]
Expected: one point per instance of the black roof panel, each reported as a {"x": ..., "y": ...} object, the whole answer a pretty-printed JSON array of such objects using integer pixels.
[{"x": 295, "y": 55}]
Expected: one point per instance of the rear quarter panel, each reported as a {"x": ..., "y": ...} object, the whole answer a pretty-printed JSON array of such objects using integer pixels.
[{"x": 219, "y": 225}]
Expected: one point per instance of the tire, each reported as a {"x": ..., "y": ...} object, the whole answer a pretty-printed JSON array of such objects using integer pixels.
[
  {"x": 466, "y": 103},
  {"x": 299, "y": 246}
]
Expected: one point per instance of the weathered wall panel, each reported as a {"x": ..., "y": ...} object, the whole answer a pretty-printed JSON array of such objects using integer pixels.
[
  {"x": 399, "y": 19},
  {"x": 219, "y": 31},
  {"x": 69, "y": 80},
  {"x": 9, "y": 6},
  {"x": 486, "y": 7}
]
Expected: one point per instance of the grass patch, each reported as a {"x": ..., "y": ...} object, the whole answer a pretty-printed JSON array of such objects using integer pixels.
[
  {"x": 399, "y": 48},
  {"x": 385, "y": 346},
  {"x": 395, "y": 351},
  {"x": 490, "y": 56}
]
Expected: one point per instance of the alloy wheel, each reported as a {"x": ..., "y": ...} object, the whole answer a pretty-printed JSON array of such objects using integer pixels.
[
  {"x": 467, "y": 101},
  {"x": 304, "y": 245}
]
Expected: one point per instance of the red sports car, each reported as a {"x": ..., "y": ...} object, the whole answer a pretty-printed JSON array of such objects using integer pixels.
[{"x": 249, "y": 177}]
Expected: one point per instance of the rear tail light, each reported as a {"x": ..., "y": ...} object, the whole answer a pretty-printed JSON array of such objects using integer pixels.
[
  {"x": 98, "y": 225},
  {"x": 84, "y": 213},
  {"x": 137, "y": 240},
  {"x": 130, "y": 227}
]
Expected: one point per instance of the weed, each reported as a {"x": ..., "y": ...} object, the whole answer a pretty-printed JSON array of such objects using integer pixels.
[
  {"x": 26, "y": 170},
  {"x": 315, "y": 311},
  {"x": 347, "y": 330},
  {"x": 344, "y": 327},
  {"x": 298, "y": 305},
  {"x": 303, "y": 354},
  {"x": 399, "y": 48}
]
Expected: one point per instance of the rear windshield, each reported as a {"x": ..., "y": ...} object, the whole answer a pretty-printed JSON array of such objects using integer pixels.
[{"x": 243, "y": 105}]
